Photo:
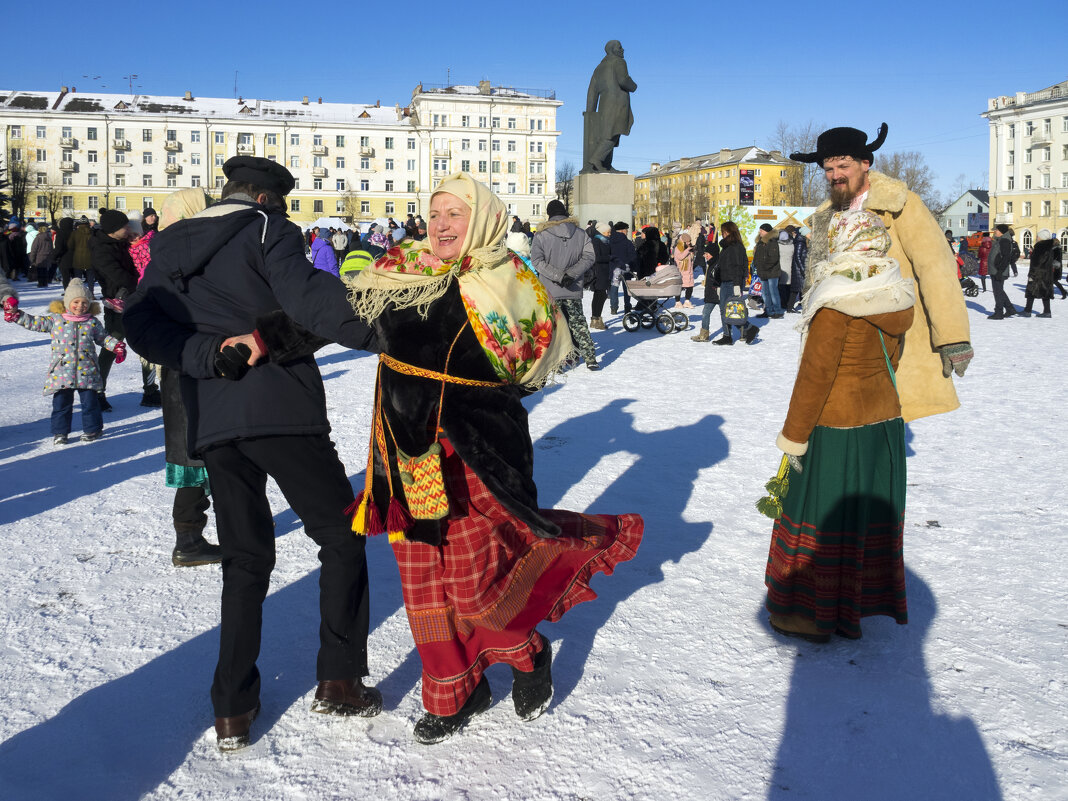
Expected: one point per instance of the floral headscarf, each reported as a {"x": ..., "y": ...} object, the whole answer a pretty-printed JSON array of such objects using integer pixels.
[{"x": 520, "y": 329}]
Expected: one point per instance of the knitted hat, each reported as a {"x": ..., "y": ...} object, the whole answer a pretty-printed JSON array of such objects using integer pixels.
[
  {"x": 765, "y": 227},
  {"x": 1045, "y": 233},
  {"x": 111, "y": 221},
  {"x": 620, "y": 226},
  {"x": 76, "y": 289},
  {"x": 843, "y": 142},
  {"x": 1002, "y": 227},
  {"x": 556, "y": 209},
  {"x": 603, "y": 229}
]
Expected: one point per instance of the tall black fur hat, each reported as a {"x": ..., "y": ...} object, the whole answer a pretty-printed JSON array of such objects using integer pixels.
[{"x": 843, "y": 142}]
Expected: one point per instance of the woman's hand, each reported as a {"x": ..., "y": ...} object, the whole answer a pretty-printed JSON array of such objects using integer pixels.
[{"x": 256, "y": 351}]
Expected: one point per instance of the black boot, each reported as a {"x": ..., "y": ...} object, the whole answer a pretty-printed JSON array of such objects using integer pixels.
[
  {"x": 531, "y": 692},
  {"x": 104, "y": 405},
  {"x": 151, "y": 397},
  {"x": 431, "y": 729},
  {"x": 191, "y": 549},
  {"x": 750, "y": 334},
  {"x": 726, "y": 339}
]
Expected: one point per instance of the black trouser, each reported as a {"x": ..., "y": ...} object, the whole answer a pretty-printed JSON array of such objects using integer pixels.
[
  {"x": 190, "y": 518},
  {"x": 1031, "y": 304},
  {"x": 113, "y": 325},
  {"x": 599, "y": 297},
  {"x": 1001, "y": 299},
  {"x": 313, "y": 481}
]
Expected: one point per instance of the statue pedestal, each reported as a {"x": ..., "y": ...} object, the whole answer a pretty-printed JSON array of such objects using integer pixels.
[{"x": 604, "y": 196}]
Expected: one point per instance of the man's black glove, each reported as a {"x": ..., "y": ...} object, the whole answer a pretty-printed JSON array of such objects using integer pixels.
[{"x": 232, "y": 361}]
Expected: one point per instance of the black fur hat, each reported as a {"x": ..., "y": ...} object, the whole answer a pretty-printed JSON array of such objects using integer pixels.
[{"x": 844, "y": 142}]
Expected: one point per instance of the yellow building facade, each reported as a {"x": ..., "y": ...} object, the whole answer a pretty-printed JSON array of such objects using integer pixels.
[
  {"x": 702, "y": 187},
  {"x": 1029, "y": 163},
  {"x": 85, "y": 152}
]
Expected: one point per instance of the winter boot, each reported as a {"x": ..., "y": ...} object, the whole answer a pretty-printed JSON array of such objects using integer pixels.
[
  {"x": 597, "y": 323},
  {"x": 702, "y": 336},
  {"x": 592, "y": 364},
  {"x": 347, "y": 697},
  {"x": 151, "y": 397},
  {"x": 750, "y": 334},
  {"x": 431, "y": 729},
  {"x": 191, "y": 549},
  {"x": 232, "y": 733},
  {"x": 726, "y": 339},
  {"x": 104, "y": 405},
  {"x": 531, "y": 692}
]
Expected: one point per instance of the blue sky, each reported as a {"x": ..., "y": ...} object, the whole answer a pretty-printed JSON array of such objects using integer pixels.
[{"x": 708, "y": 76}]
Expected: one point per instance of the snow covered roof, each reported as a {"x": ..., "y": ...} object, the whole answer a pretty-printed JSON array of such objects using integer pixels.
[{"x": 217, "y": 107}]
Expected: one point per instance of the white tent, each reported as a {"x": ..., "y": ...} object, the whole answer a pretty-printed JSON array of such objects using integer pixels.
[{"x": 331, "y": 222}]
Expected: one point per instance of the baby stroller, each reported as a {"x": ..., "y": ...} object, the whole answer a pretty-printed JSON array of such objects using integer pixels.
[
  {"x": 968, "y": 265},
  {"x": 652, "y": 293}
]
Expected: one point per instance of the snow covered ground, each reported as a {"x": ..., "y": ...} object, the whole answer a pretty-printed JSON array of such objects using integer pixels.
[{"x": 669, "y": 686}]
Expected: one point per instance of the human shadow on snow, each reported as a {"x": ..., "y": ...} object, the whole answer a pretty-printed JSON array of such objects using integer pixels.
[
  {"x": 642, "y": 487},
  {"x": 860, "y": 722},
  {"x": 123, "y": 739}
]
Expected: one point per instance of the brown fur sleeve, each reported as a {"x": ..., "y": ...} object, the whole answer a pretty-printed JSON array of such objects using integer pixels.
[{"x": 816, "y": 374}]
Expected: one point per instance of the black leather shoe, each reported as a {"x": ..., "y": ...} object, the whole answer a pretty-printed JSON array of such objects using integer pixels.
[
  {"x": 232, "y": 733},
  {"x": 724, "y": 340},
  {"x": 104, "y": 405},
  {"x": 532, "y": 692},
  {"x": 346, "y": 697},
  {"x": 431, "y": 729},
  {"x": 750, "y": 334},
  {"x": 203, "y": 554}
]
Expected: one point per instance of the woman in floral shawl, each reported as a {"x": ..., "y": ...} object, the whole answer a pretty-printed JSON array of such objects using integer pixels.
[{"x": 466, "y": 330}]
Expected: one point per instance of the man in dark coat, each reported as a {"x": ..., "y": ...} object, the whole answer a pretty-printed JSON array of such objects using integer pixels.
[
  {"x": 766, "y": 266},
  {"x": 212, "y": 276},
  {"x": 624, "y": 259}
]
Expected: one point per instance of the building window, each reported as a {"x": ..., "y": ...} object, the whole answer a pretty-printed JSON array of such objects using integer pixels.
[
  {"x": 16, "y": 131},
  {"x": 42, "y": 154},
  {"x": 120, "y": 180},
  {"x": 340, "y": 184},
  {"x": 1026, "y": 208},
  {"x": 511, "y": 167},
  {"x": 411, "y": 207},
  {"x": 511, "y": 188},
  {"x": 535, "y": 209},
  {"x": 120, "y": 203},
  {"x": 1044, "y": 209},
  {"x": 271, "y": 139},
  {"x": 340, "y": 207},
  {"x": 365, "y": 185},
  {"x": 1008, "y": 207},
  {"x": 220, "y": 138},
  {"x": 194, "y": 180},
  {"x": 1027, "y": 182},
  {"x": 1064, "y": 208},
  {"x": 219, "y": 159},
  {"x": 511, "y": 146},
  {"x": 317, "y": 207},
  {"x": 536, "y": 147},
  {"x": 390, "y": 207},
  {"x": 465, "y": 165},
  {"x": 339, "y": 141},
  {"x": 172, "y": 180},
  {"x": 1046, "y": 151},
  {"x": 411, "y": 165},
  {"x": 68, "y": 202},
  {"x": 465, "y": 121},
  {"x": 317, "y": 161},
  {"x": 1064, "y": 180},
  {"x": 146, "y": 180},
  {"x": 496, "y": 166},
  {"x": 482, "y": 146},
  {"x": 365, "y": 162},
  {"x": 496, "y": 122},
  {"x": 389, "y": 186},
  {"x": 244, "y": 139},
  {"x": 1045, "y": 180},
  {"x": 465, "y": 144},
  {"x": 482, "y": 166},
  {"x": 92, "y": 179},
  {"x": 294, "y": 204},
  {"x": 411, "y": 188},
  {"x": 317, "y": 140},
  {"x": 42, "y": 202},
  {"x": 294, "y": 162},
  {"x": 1010, "y": 182},
  {"x": 389, "y": 143},
  {"x": 146, "y": 157},
  {"x": 389, "y": 164},
  {"x": 411, "y": 143},
  {"x": 511, "y": 123},
  {"x": 441, "y": 165},
  {"x": 1012, "y": 157},
  {"x": 94, "y": 202},
  {"x": 194, "y": 159},
  {"x": 339, "y": 162},
  {"x": 496, "y": 146},
  {"x": 172, "y": 135},
  {"x": 146, "y": 203},
  {"x": 1047, "y": 126},
  {"x": 194, "y": 137},
  {"x": 42, "y": 133},
  {"x": 294, "y": 139},
  {"x": 146, "y": 134},
  {"x": 1029, "y": 128},
  {"x": 365, "y": 207},
  {"x": 317, "y": 184},
  {"x": 90, "y": 134}
]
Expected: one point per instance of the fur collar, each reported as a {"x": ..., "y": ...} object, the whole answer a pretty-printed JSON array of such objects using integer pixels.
[{"x": 545, "y": 226}]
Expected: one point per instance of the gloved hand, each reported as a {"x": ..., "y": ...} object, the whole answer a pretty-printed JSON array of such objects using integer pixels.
[
  {"x": 232, "y": 361},
  {"x": 11, "y": 304},
  {"x": 115, "y": 304},
  {"x": 11, "y": 316},
  {"x": 955, "y": 358},
  {"x": 120, "y": 352}
]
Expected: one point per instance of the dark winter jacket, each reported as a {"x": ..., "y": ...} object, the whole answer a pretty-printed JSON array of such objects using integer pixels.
[
  {"x": 211, "y": 277},
  {"x": 1045, "y": 259},
  {"x": 602, "y": 257},
  {"x": 799, "y": 262},
  {"x": 113, "y": 265},
  {"x": 41, "y": 250},
  {"x": 651, "y": 252},
  {"x": 997, "y": 263},
  {"x": 766, "y": 258},
  {"x": 79, "y": 244},
  {"x": 62, "y": 253},
  {"x": 712, "y": 273},
  {"x": 733, "y": 264},
  {"x": 622, "y": 253},
  {"x": 560, "y": 253}
]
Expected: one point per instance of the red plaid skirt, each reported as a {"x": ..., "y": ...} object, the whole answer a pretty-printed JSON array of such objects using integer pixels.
[{"x": 475, "y": 599}]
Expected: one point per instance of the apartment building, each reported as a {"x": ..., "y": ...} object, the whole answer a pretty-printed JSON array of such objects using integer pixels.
[
  {"x": 350, "y": 160},
  {"x": 1029, "y": 162},
  {"x": 698, "y": 187}
]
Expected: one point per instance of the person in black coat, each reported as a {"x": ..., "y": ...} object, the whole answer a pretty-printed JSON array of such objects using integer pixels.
[
  {"x": 733, "y": 269},
  {"x": 711, "y": 296},
  {"x": 602, "y": 273},
  {"x": 651, "y": 251},
  {"x": 623, "y": 261},
  {"x": 211, "y": 278},
  {"x": 115, "y": 272}
]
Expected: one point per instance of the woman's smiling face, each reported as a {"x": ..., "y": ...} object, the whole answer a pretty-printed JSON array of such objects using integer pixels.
[{"x": 447, "y": 226}]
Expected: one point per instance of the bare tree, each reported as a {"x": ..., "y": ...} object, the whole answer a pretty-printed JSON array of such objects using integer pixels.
[
  {"x": 18, "y": 175},
  {"x": 53, "y": 195},
  {"x": 801, "y": 138},
  {"x": 565, "y": 182},
  {"x": 911, "y": 167},
  {"x": 4, "y": 199},
  {"x": 352, "y": 206}
]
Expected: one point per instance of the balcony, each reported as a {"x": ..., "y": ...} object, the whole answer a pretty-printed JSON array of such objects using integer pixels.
[
  {"x": 172, "y": 169},
  {"x": 67, "y": 142},
  {"x": 120, "y": 144},
  {"x": 318, "y": 172},
  {"x": 536, "y": 176},
  {"x": 1038, "y": 139},
  {"x": 367, "y": 150},
  {"x": 119, "y": 165},
  {"x": 442, "y": 152},
  {"x": 68, "y": 166},
  {"x": 318, "y": 150},
  {"x": 245, "y": 149},
  {"x": 172, "y": 145},
  {"x": 442, "y": 173},
  {"x": 537, "y": 157},
  {"x": 1005, "y": 217}
]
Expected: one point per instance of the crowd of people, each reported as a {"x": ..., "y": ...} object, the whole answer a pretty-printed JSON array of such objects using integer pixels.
[{"x": 469, "y": 312}]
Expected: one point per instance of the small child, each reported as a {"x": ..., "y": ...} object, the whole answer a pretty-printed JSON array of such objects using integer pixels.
[{"x": 74, "y": 329}]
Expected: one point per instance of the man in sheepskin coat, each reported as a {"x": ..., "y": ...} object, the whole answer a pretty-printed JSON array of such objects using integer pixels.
[{"x": 937, "y": 344}]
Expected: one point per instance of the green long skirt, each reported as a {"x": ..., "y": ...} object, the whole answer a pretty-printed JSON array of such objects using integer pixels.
[{"x": 836, "y": 551}]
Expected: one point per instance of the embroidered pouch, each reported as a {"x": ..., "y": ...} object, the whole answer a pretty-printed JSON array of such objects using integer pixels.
[
  {"x": 424, "y": 483},
  {"x": 734, "y": 311}
]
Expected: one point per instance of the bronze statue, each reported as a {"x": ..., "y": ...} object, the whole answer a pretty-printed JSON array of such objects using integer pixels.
[{"x": 607, "y": 115}]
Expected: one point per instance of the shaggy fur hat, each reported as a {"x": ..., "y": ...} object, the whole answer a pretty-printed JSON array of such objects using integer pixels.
[{"x": 843, "y": 142}]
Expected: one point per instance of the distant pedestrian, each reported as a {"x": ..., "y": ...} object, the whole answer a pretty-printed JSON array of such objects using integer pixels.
[{"x": 1043, "y": 272}]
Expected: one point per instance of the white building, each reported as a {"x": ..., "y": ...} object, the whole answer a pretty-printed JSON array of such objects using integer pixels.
[
  {"x": 352, "y": 160},
  {"x": 956, "y": 216}
]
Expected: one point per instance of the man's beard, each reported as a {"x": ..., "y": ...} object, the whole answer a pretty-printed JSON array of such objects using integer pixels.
[{"x": 841, "y": 195}]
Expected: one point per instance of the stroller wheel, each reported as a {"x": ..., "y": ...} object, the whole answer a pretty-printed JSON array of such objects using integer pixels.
[
  {"x": 682, "y": 322},
  {"x": 631, "y": 321},
  {"x": 972, "y": 291},
  {"x": 647, "y": 319},
  {"x": 665, "y": 323}
]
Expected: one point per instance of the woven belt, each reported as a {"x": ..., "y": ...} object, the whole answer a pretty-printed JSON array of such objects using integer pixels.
[{"x": 410, "y": 369}]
